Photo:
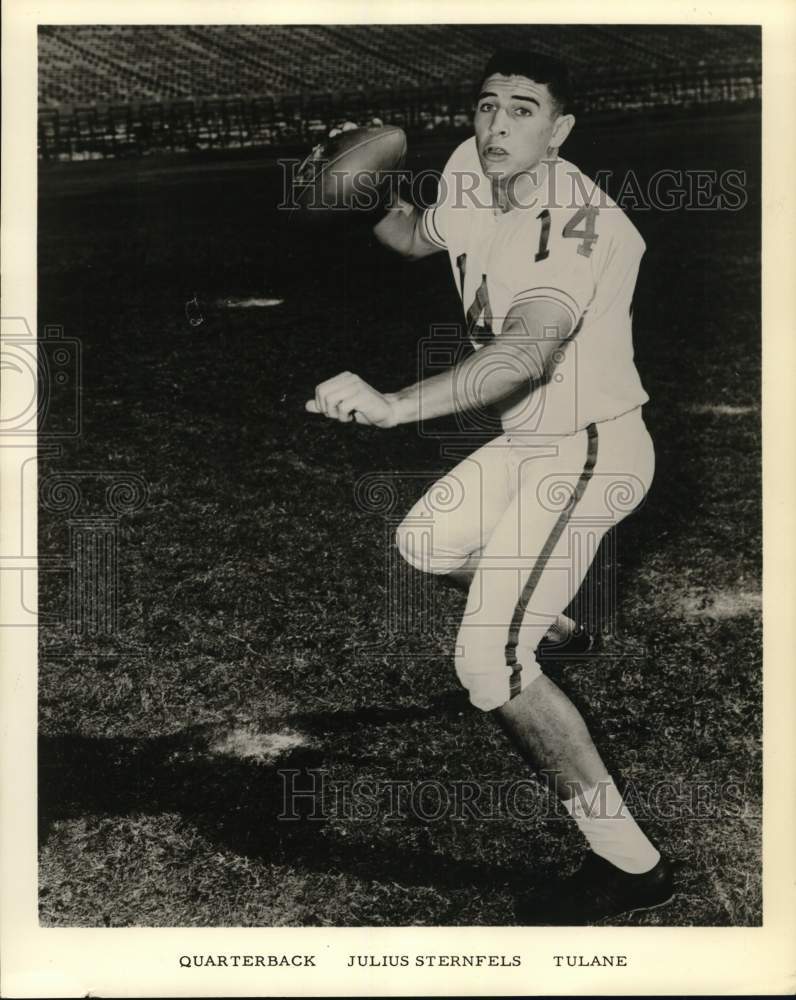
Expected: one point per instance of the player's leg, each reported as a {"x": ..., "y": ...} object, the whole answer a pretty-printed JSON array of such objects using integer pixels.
[
  {"x": 528, "y": 572},
  {"x": 463, "y": 576},
  {"x": 559, "y": 518},
  {"x": 554, "y": 548},
  {"x": 624, "y": 870},
  {"x": 550, "y": 731},
  {"x": 541, "y": 720},
  {"x": 561, "y": 630},
  {"x": 446, "y": 530}
]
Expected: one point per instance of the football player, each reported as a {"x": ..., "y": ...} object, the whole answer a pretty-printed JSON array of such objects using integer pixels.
[{"x": 546, "y": 266}]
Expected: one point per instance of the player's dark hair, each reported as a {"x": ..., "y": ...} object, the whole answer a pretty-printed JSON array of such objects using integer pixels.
[{"x": 535, "y": 66}]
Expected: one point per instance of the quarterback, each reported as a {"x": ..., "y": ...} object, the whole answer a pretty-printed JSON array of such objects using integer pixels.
[{"x": 546, "y": 267}]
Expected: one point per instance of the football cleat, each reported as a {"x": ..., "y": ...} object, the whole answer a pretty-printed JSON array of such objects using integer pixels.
[{"x": 596, "y": 891}]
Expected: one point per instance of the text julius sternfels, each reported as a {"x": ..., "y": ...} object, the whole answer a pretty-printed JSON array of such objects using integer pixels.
[{"x": 432, "y": 961}]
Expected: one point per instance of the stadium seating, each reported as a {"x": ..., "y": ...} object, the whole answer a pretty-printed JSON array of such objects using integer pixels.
[
  {"x": 82, "y": 64},
  {"x": 115, "y": 90}
]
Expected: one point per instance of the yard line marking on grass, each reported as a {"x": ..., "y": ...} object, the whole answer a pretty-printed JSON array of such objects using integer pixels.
[
  {"x": 248, "y": 744},
  {"x": 722, "y": 409},
  {"x": 250, "y": 303}
]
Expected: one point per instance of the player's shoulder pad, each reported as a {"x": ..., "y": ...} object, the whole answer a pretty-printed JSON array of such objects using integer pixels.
[
  {"x": 575, "y": 190},
  {"x": 572, "y": 189}
]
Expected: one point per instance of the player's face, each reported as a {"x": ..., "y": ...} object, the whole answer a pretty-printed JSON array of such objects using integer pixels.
[{"x": 515, "y": 125}]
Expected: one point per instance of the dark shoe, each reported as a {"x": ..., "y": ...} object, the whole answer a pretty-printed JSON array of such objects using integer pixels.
[
  {"x": 580, "y": 643},
  {"x": 596, "y": 891}
]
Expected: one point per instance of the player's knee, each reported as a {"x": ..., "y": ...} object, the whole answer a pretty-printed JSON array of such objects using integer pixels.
[
  {"x": 416, "y": 542},
  {"x": 413, "y": 546},
  {"x": 483, "y": 668}
]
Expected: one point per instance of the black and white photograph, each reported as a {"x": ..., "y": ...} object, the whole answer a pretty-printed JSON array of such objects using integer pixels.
[{"x": 397, "y": 395}]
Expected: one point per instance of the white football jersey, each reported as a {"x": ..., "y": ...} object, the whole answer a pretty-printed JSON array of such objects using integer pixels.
[{"x": 568, "y": 242}]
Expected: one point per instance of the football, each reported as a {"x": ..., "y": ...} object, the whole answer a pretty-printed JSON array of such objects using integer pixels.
[{"x": 348, "y": 172}]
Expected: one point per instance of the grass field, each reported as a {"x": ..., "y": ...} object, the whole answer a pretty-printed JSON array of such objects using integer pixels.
[{"x": 255, "y": 631}]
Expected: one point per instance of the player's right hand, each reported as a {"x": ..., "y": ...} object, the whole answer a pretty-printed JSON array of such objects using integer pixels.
[
  {"x": 347, "y": 126},
  {"x": 347, "y": 397}
]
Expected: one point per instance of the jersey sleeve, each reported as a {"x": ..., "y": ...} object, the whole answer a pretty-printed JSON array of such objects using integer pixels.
[
  {"x": 434, "y": 225},
  {"x": 437, "y": 221},
  {"x": 445, "y": 221}
]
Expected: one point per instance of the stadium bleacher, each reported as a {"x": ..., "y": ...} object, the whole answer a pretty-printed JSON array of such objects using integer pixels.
[{"x": 304, "y": 76}]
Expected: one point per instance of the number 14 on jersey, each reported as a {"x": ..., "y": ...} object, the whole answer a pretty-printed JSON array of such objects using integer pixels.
[{"x": 587, "y": 235}]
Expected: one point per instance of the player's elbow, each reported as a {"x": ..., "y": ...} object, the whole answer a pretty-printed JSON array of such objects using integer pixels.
[
  {"x": 415, "y": 252},
  {"x": 408, "y": 249},
  {"x": 519, "y": 365},
  {"x": 400, "y": 231},
  {"x": 395, "y": 240}
]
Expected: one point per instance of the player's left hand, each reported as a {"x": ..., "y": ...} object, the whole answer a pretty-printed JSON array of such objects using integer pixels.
[{"x": 347, "y": 397}]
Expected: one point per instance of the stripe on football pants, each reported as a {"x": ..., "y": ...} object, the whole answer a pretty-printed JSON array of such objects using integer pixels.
[{"x": 540, "y": 564}]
